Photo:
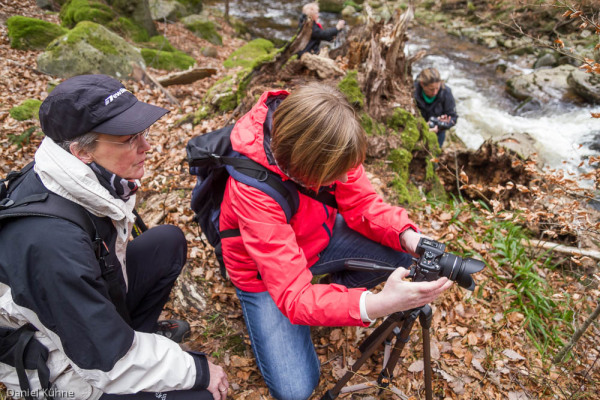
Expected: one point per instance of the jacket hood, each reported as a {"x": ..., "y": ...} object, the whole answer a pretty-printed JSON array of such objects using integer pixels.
[{"x": 251, "y": 135}]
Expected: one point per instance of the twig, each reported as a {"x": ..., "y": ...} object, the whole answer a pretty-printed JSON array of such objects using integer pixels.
[
  {"x": 574, "y": 251},
  {"x": 578, "y": 333}
]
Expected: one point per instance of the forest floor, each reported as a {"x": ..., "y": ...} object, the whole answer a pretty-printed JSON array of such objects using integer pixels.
[{"x": 481, "y": 345}]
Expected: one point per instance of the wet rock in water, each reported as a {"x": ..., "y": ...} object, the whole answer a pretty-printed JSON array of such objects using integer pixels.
[
  {"x": 546, "y": 60},
  {"x": 526, "y": 106},
  {"x": 542, "y": 84},
  {"x": 586, "y": 85}
]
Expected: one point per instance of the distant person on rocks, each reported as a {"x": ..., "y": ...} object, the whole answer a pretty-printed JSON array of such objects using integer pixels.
[
  {"x": 311, "y": 11},
  {"x": 93, "y": 304},
  {"x": 436, "y": 103}
]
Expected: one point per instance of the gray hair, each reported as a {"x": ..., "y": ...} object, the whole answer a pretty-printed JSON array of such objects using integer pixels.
[{"x": 87, "y": 142}]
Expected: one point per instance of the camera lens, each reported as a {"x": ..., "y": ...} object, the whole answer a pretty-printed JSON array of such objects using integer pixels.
[{"x": 460, "y": 270}]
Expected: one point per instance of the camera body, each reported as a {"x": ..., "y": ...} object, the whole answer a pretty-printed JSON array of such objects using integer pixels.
[
  {"x": 433, "y": 122},
  {"x": 435, "y": 263}
]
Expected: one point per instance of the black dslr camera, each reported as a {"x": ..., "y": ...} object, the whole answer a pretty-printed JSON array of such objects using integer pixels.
[
  {"x": 434, "y": 263},
  {"x": 433, "y": 122}
]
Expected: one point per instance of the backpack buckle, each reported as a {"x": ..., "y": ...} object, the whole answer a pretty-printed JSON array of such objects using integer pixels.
[{"x": 6, "y": 203}]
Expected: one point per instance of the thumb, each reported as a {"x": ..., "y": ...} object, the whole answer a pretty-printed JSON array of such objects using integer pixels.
[{"x": 399, "y": 274}]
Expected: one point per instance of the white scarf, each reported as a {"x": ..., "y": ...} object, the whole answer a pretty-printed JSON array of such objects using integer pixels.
[{"x": 67, "y": 176}]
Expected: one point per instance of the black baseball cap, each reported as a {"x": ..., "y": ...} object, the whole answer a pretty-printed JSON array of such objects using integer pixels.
[{"x": 94, "y": 103}]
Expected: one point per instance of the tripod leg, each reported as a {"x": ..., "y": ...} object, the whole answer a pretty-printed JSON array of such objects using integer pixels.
[
  {"x": 374, "y": 340},
  {"x": 402, "y": 336},
  {"x": 425, "y": 318}
]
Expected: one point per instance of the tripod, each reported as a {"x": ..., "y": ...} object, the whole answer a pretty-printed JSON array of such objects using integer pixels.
[{"x": 396, "y": 326}]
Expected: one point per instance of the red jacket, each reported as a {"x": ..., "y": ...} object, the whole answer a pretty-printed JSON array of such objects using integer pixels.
[{"x": 271, "y": 254}]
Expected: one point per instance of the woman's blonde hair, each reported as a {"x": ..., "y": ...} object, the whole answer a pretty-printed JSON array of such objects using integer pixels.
[
  {"x": 316, "y": 137},
  {"x": 310, "y": 9},
  {"x": 429, "y": 76}
]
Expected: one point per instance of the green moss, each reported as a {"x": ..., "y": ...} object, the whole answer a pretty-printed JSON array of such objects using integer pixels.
[
  {"x": 159, "y": 42},
  {"x": 201, "y": 114},
  {"x": 205, "y": 29},
  {"x": 30, "y": 33},
  {"x": 437, "y": 192},
  {"x": 407, "y": 192},
  {"x": 400, "y": 161},
  {"x": 350, "y": 88},
  {"x": 29, "y": 109},
  {"x": 83, "y": 31},
  {"x": 429, "y": 138},
  {"x": 128, "y": 28},
  {"x": 167, "y": 60},
  {"x": 371, "y": 126},
  {"x": 192, "y": 5},
  {"x": 404, "y": 122},
  {"x": 251, "y": 54},
  {"x": 75, "y": 11}
]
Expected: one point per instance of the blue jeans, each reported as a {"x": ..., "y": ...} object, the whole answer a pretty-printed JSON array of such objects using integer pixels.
[{"x": 284, "y": 352}]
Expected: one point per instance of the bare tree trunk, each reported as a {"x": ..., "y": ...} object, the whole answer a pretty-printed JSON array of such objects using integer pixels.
[
  {"x": 381, "y": 50},
  {"x": 227, "y": 12}
]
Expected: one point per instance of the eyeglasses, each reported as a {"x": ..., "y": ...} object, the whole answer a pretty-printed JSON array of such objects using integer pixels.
[{"x": 133, "y": 142}]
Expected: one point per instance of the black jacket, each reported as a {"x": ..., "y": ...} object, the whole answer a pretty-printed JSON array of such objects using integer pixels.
[
  {"x": 318, "y": 34},
  {"x": 443, "y": 104},
  {"x": 50, "y": 277}
]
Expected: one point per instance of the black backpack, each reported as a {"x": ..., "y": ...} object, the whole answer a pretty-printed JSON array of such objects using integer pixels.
[
  {"x": 18, "y": 347},
  {"x": 212, "y": 159}
]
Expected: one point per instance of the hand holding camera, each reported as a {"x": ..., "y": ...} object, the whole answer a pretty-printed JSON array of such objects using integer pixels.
[
  {"x": 441, "y": 122},
  {"x": 431, "y": 274}
]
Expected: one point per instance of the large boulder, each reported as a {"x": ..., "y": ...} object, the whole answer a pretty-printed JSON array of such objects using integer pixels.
[
  {"x": 31, "y": 33},
  {"x": 585, "y": 85},
  {"x": 89, "y": 48},
  {"x": 542, "y": 84},
  {"x": 166, "y": 10}
]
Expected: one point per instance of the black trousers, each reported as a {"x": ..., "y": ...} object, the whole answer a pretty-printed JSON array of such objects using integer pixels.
[{"x": 154, "y": 261}]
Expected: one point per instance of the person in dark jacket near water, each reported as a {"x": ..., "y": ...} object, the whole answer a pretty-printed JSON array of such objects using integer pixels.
[
  {"x": 436, "y": 103},
  {"x": 102, "y": 336},
  {"x": 311, "y": 137},
  {"x": 310, "y": 11}
]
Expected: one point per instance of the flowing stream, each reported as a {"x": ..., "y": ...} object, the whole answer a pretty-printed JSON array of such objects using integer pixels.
[{"x": 563, "y": 134}]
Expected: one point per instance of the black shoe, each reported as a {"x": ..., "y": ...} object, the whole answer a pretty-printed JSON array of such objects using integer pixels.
[{"x": 175, "y": 329}]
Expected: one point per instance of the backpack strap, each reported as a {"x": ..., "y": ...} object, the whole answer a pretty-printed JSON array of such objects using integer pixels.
[
  {"x": 21, "y": 350},
  {"x": 51, "y": 205},
  {"x": 253, "y": 174}
]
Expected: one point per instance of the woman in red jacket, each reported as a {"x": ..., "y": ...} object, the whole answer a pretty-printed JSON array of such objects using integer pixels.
[{"x": 313, "y": 138}]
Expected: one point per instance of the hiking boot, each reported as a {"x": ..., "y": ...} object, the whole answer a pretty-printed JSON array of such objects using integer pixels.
[{"x": 175, "y": 329}]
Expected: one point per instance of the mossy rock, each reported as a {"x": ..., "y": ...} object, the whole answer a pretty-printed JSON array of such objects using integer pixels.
[
  {"x": 160, "y": 42},
  {"x": 194, "y": 6},
  {"x": 404, "y": 122},
  {"x": 350, "y": 88},
  {"x": 31, "y": 33},
  {"x": 128, "y": 28},
  {"x": 75, "y": 11},
  {"x": 223, "y": 94},
  {"x": 371, "y": 127},
  {"x": 28, "y": 109},
  {"x": 407, "y": 192},
  {"x": 167, "y": 60},
  {"x": 89, "y": 48},
  {"x": 333, "y": 6},
  {"x": 251, "y": 54},
  {"x": 203, "y": 28}
]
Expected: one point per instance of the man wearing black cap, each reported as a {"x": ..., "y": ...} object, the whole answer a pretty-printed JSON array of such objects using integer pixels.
[{"x": 102, "y": 341}]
